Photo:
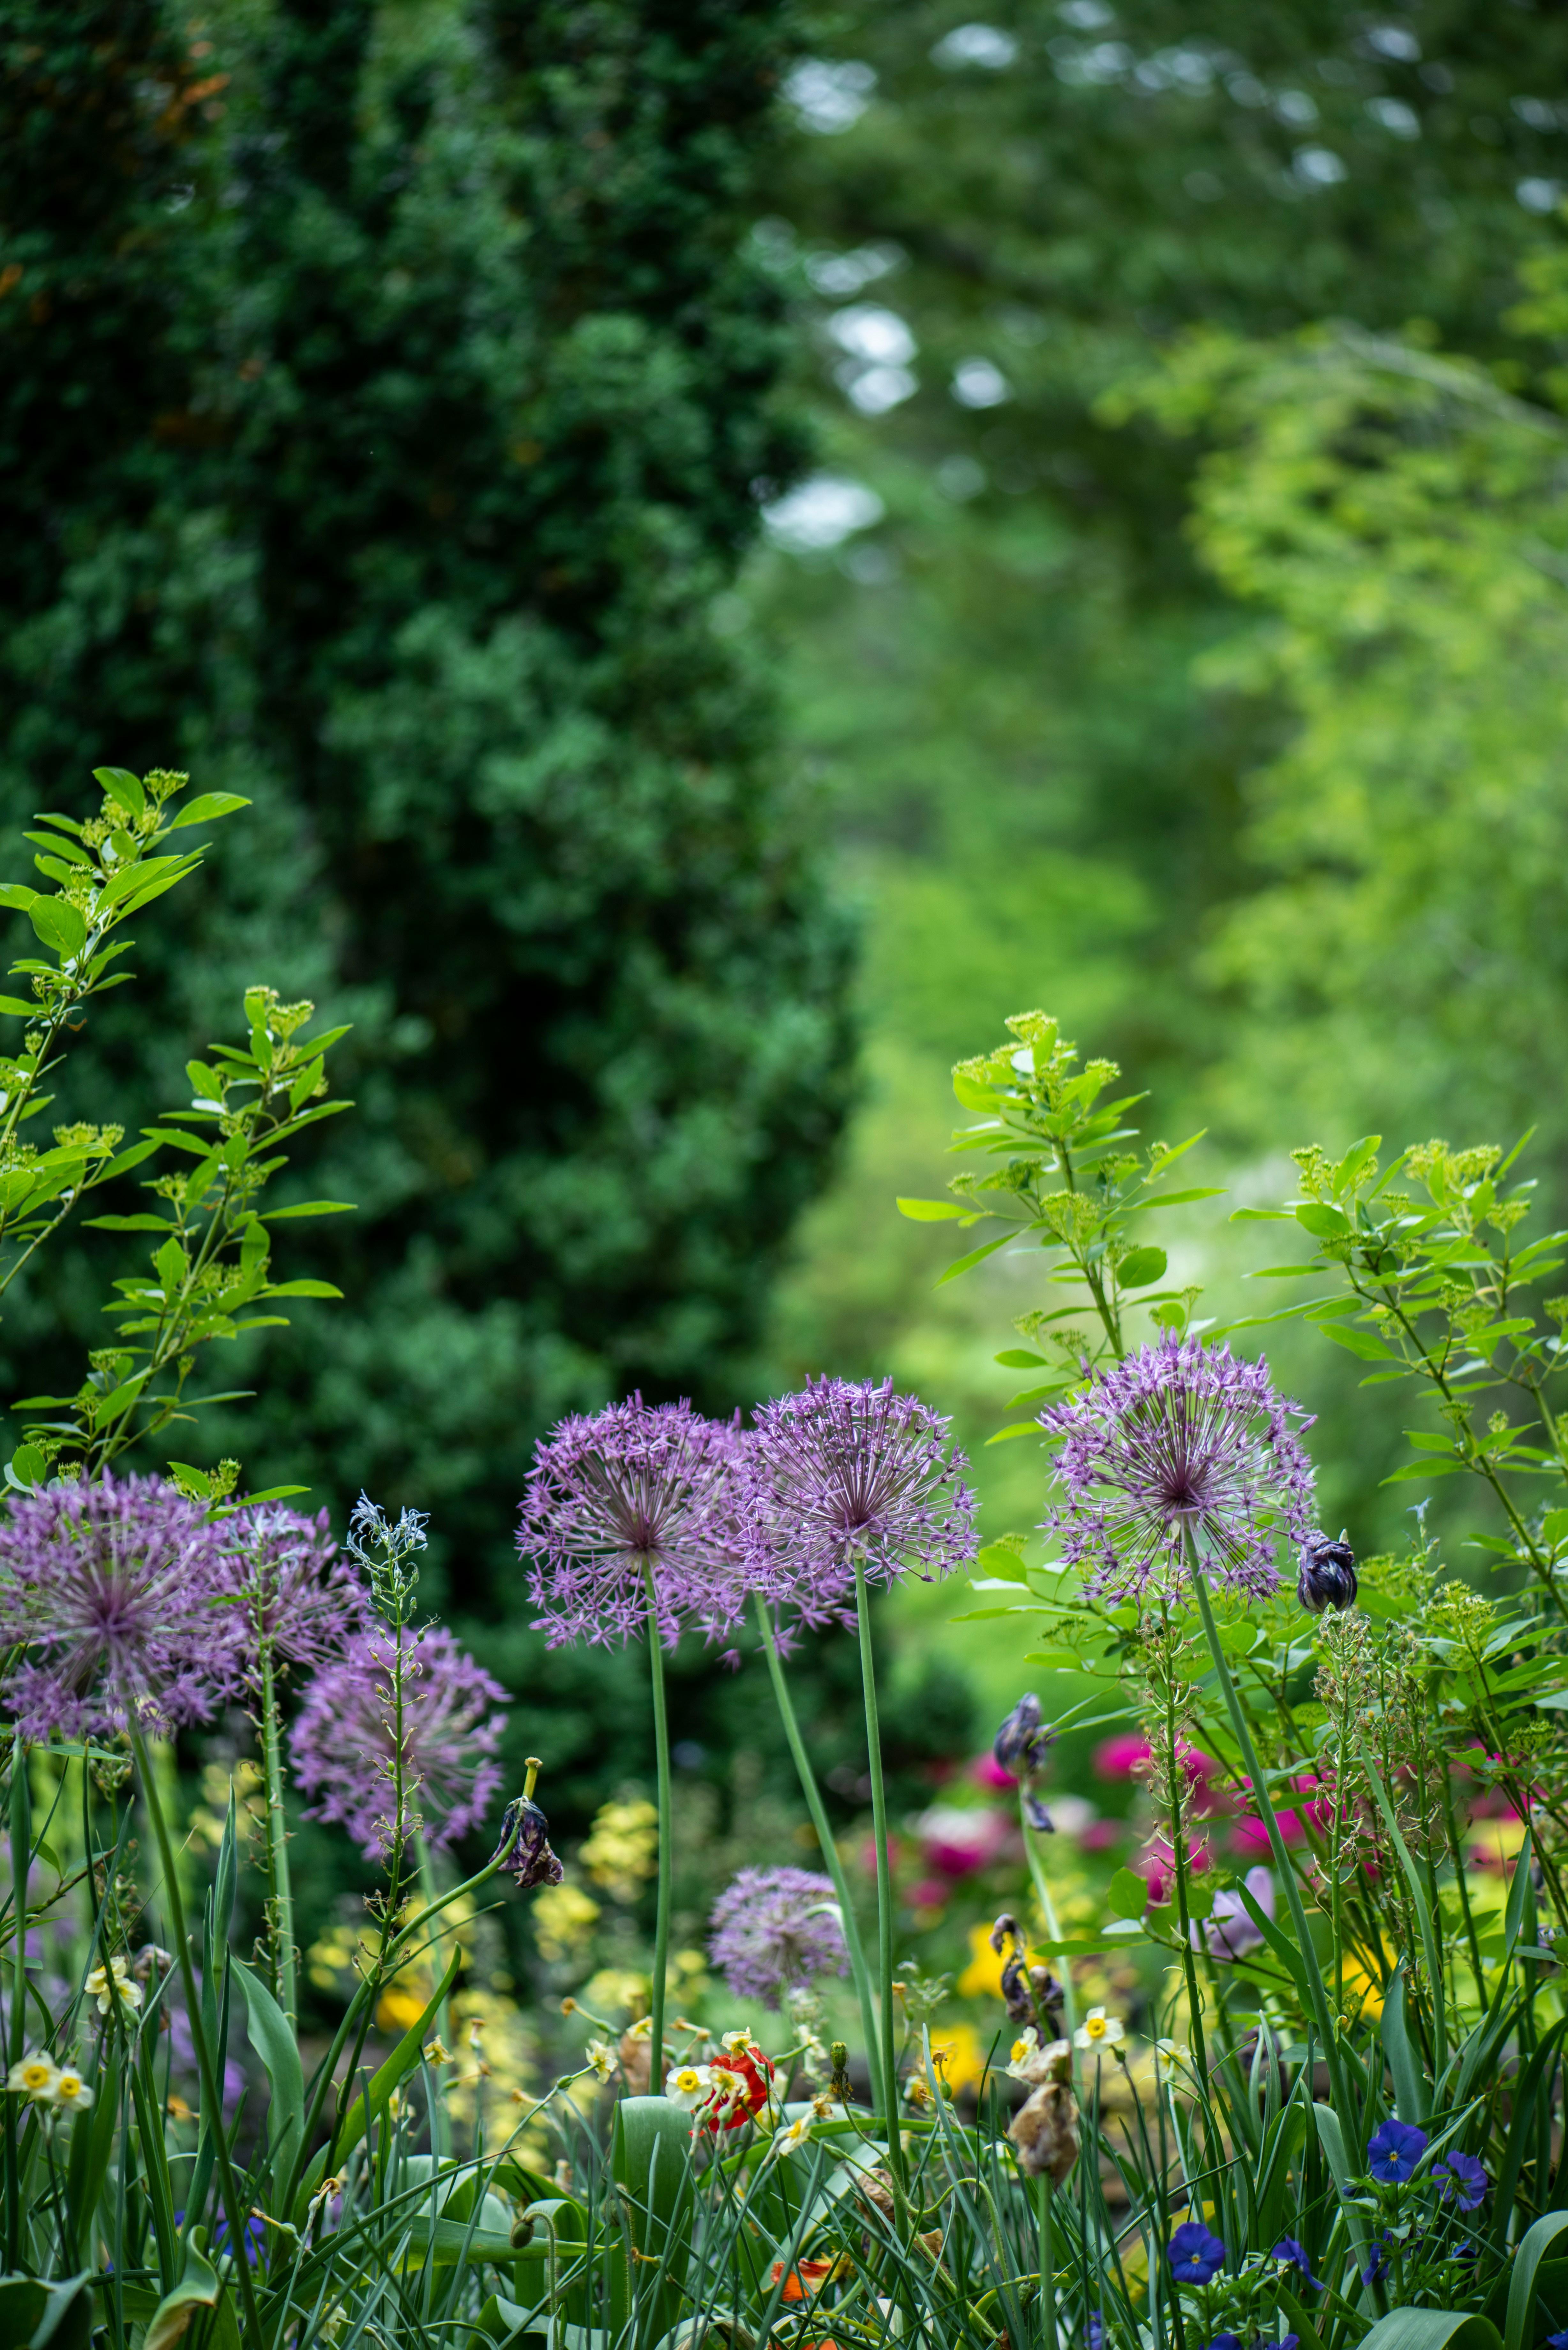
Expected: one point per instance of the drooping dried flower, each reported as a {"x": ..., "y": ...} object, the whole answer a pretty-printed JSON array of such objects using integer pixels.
[
  {"x": 1178, "y": 1438},
  {"x": 1327, "y": 1577},
  {"x": 344, "y": 1739},
  {"x": 1045, "y": 2130},
  {"x": 1022, "y": 1749},
  {"x": 525, "y": 1844},
  {"x": 292, "y": 1592},
  {"x": 772, "y": 1929},
  {"x": 843, "y": 1471},
  {"x": 631, "y": 1514},
  {"x": 112, "y": 1591}
]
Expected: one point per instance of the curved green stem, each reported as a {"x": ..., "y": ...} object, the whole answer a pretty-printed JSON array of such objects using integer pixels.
[
  {"x": 666, "y": 1838},
  {"x": 858, "y": 1969},
  {"x": 890, "y": 2050}
]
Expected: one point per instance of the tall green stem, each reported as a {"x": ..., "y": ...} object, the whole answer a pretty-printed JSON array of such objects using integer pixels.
[
  {"x": 1317, "y": 1996},
  {"x": 815, "y": 1806},
  {"x": 280, "y": 1920},
  {"x": 889, "y": 2050},
  {"x": 431, "y": 1894},
  {"x": 665, "y": 1837},
  {"x": 1047, "y": 2260},
  {"x": 212, "y": 2096}
]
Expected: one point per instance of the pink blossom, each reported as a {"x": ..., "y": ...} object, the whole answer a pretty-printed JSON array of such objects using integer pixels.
[
  {"x": 1119, "y": 1757},
  {"x": 987, "y": 1771},
  {"x": 1157, "y": 1866}
]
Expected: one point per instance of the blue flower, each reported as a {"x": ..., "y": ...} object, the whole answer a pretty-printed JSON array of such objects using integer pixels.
[
  {"x": 1226, "y": 2342},
  {"x": 1395, "y": 2150},
  {"x": 1195, "y": 2254},
  {"x": 1463, "y": 2180},
  {"x": 1096, "y": 2331},
  {"x": 1558, "y": 2341},
  {"x": 1295, "y": 2254},
  {"x": 1382, "y": 2252}
]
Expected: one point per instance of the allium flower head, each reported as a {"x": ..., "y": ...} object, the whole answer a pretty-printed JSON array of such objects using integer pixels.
[
  {"x": 1181, "y": 1437},
  {"x": 772, "y": 1928},
  {"x": 845, "y": 1471},
  {"x": 113, "y": 1590},
  {"x": 289, "y": 1588},
  {"x": 343, "y": 1739},
  {"x": 635, "y": 1492}
]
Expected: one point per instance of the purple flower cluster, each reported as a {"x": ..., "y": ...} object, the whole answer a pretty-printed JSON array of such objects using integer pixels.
[
  {"x": 115, "y": 1592},
  {"x": 772, "y": 1929},
  {"x": 651, "y": 1511},
  {"x": 1178, "y": 1438},
  {"x": 345, "y": 1739},
  {"x": 292, "y": 1592}
]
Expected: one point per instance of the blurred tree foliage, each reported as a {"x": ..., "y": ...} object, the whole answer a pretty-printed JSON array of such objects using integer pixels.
[{"x": 386, "y": 394}]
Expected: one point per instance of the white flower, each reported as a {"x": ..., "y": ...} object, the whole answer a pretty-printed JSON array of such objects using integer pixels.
[
  {"x": 70, "y": 2089},
  {"x": 741, "y": 2043},
  {"x": 1172, "y": 2052},
  {"x": 1022, "y": 2054},
  {"x": 1098, "y": 2030},
  {"x": 689, "y": 2086},
  {"x": 1030, "y": 2062},
  {"x": 106, "y": 1984},
  {"x": 794, "y": 2136},
  {"x": 35, "y": 2076},
  {"x": 600, "y": 2061}
]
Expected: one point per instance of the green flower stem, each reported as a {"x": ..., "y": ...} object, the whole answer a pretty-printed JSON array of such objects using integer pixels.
[
  {"x": 1042, "y": 1883},
  {"x": 889, "y": 2050},
  {"x": 665, "y": 1837},
  {"x": 280, "y": 1919},
  {"x": 212, "y": 2098},
  {"x": 834, "y": 1866},
  {"x": 1047, "y": 2260},
  {"x": 431, "y": 1894},
  {"x": 1316, "y": 1993}
]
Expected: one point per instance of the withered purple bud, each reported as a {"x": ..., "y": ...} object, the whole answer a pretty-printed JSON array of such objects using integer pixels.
[
  {"x": 1038, "y": 1817},
  {"x": 1024, "y": 1741},
  {"x": 524, "y": 1851},
  {"x": 1327, "y": 1578}
]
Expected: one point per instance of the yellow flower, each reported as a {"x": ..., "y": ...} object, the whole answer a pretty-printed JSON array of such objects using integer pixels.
[
  {"x": 958, "y": 2053},
  {"x": 70, "y": 2089},
  {"x": 790, "y": 2139},
  {"x": 600, "y": 2059},
  {"x": 35, "y": 2076},
  {"x": 1098, "y": 2030},
  {"x": 106, "y": 1984}
]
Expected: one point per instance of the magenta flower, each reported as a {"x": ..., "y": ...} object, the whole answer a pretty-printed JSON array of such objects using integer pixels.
[
  {"x": 842, "y": 1471},
  {"x": 344, "y": 1739},
  {"x": 288, "y": 1587},
  {"x": 1180, "y": 1438},
  {"x": 113, "y": 1590},
  {"x": 637, "y": 1493},
  {"x": 773, "y": 1929}
]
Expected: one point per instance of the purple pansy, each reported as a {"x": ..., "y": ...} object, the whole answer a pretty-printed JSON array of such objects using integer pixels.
[
  {"x": 844, "y": 1472},
  {"x": 343, "y": 1739},
  {"x": 1295, "y": 2254},
  {"x": 1195, "y": 2254},
  {"x": 636, "y": 1512},
  {"x": 111, "y": 1591},
  {"x": 1178, "y": 1438},
  {"x": 1463, "y": 2180},
  {"x": 1393, "y": 2150},
  {"x": 772, "y": 1928}
]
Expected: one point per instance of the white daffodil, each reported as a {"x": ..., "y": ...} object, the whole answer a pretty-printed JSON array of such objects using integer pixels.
[
  {"x": 1172, "y": 2052},
  {"x": 689, "y": 2086},
  {"x": 601, "y": 2061},
  {"x": 794, "y": 2136},
  {"x": 107, "y": 1984},
  {"x": 1098, "y": 2030},
  {"x": 70, "y": 2090},
  {"x": 741, "y": 2043},
  {"x": 1023, "y": 2055},
  {"x": 35, "y": 2078}
]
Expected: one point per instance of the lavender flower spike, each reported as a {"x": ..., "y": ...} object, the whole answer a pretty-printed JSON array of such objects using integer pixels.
[
  {"x": 343, "y": 1739},
  {"x": 289, "y": 1588},
  {"x": 635, "y": 1488},
  {"x": 842, "y": 1471},
  {"x": 772, "y": 1929},
  {"x": 1180, "y": 1437},
  {"x": 111, "y": 1590}
]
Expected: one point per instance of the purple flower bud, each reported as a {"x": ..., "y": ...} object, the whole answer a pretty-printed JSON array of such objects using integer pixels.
[
  {"x": 523, "y": 1850},
  {"x": 1327, "y": 1578},
  {"x": 1023, "y": 1741}
]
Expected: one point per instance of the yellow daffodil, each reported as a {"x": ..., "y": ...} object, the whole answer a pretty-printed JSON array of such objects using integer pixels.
[{"x": 70, "y": 2090}]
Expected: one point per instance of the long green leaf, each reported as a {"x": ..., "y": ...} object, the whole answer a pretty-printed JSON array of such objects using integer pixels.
[
  {"x": 1431, "y": 2329},
  {"x": 1520, "y": 2328},
  {"x": 270, "y": 2036},
  {"x": 372, "y": 2103}
]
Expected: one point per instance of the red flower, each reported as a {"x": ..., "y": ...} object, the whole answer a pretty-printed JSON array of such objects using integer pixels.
[{"x": 741, "y": 2077}]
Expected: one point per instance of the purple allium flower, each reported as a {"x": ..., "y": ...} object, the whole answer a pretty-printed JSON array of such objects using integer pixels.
[
  {"x": 638, "y": 1491},
  {"x": 1179, "y": 1436},
  {"x": 1393, "y": 2151},
  {"x": 112, "y": 1589},
  {"x": 1294, "y": 2255},
  {"x": 289, "y": 1588},
  {"x": 843, "y": 1471},
  {"x": 343, "y": 1739},
  {"x": 1463, "y": 2180},
  {"x": 772, "y": 1928},
  {"x": 1195, "y": 2255}
]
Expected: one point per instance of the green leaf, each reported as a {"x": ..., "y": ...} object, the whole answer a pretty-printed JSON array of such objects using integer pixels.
[
  {"x": 1324, "y": 1223},
  {"x": 1355, "y": 1161},
  {"x": 122, "y": 785},
  {"x": 59, "y": 924},
  {"x": 975, "y": 1256},
  {"x": 1142, "y": 1266},
  {"x": 18, "y": 1009},
  {"x": 1430, "y": 2329},
  {"x": 1127, "y": 1895},
  {"x": 310, "y": 1208},
  {"x": 302, "y": 1289},
  {"x": 1179, "y": 1199},
  {"x": 271, "y": 2037},
  {"x": 972, "y": 1095},
  {"x": 126, "y": 1225},
  {"x": 17, "y": 897},
  {"x": 1371, "y": 1349},
  {"x": 206, "y": 808},
  {"x": 931, "y": 1212},
  {"x": 197, "y": 2290},
  {"x": 1019, "y": 1428},
  {"x": 1519, "y": 2328}
]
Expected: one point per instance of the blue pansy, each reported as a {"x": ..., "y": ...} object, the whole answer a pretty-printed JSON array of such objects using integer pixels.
[
  {"x": 1463, "y": 2180},
  {"x": 1195, "y": 2254},
  {"x": 1287, "y": 2248},
  {"x": 1395, "y": 2150}
]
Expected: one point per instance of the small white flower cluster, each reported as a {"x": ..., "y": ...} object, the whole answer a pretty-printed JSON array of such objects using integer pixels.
[
  {"x": 113, "y": 1983},
  {"x": 57, "y": 2088}
]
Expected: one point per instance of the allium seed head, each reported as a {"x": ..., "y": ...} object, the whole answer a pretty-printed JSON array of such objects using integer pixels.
[
  {"x": 844, "y": 1471},
  {"x": 344, "y": 1744},
  {"x": 289, "y": 1588},
  {"x": 114, "y": 1592},
  {"x": 1179, "y": 1438},
  {"x": 635, "y": 1494},
  {"x": 772, "y": 1929}
]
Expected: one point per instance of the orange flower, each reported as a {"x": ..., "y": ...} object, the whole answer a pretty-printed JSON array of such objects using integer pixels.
[{"x": 802, "y": 2280}]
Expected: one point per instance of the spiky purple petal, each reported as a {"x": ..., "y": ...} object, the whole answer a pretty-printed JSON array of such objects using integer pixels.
[
  {"x": 772, "y": 1928},
  {"x": 290, "y": 1589}
]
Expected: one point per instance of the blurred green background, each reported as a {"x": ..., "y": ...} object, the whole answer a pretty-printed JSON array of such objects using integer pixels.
[{"x": 734, "y": 546}]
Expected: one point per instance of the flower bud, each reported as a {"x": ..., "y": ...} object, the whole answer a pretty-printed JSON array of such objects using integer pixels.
[
  {"x": 1022, "y": 1741},
  {"x": 524, "y": 1851},
  {"x": 1327, "y": 1578}
]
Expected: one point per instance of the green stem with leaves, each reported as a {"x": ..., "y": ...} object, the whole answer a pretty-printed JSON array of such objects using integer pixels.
[
  {"x": 666, "y": 1836},
  {"x": 889, "y": 2049}
]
